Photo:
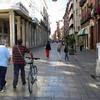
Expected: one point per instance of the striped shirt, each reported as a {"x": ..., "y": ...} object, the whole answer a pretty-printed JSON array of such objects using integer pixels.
[{"x": 17, "y": 55}]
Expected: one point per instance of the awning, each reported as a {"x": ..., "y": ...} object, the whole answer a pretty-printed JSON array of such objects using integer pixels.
[{"x": 82, "y": 32}]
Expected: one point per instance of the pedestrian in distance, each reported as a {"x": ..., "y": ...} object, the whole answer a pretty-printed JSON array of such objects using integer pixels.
[
  {"x": 4, "y": 60},
  {"x": 81, "y": 46},
  {"x": 47, "y": 49},
  {"x": 18, "y": 53},
  {"x": 59, "y": 47},
  {"x": 66, "y": 52}
]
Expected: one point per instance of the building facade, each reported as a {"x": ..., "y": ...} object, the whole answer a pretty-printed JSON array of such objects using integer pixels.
[
  {"x": 26, "y": 19},
  {"x": 77, "y": 16},
  {"x": 66, "y": 23},
  {"x": 72, "y": 19},
  {"x": 71, "y": 16},
  {"x": 90, "y": 20},
  {"x": 85, "y": 23}
]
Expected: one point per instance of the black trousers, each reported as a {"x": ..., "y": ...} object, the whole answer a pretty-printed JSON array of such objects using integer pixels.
[
  {"x": 17, "y": 69},
  {"x": 3, "y": 71}
]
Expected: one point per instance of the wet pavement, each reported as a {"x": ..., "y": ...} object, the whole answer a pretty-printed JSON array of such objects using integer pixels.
[{"x": 58, "y": 80}]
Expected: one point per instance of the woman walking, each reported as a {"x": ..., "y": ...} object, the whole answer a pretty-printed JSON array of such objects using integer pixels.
[{"x": 47, "y": 49}]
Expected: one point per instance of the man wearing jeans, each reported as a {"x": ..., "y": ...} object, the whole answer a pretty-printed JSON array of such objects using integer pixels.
[
  {"x": 4, "y": 58},
  {"x": 18, "y": 53}
]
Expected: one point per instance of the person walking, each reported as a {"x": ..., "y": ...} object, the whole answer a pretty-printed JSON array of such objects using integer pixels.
[
  {"x": 47, "y": 49},
  {"x": 81, "y": 46},
  {"x": 18, "y": 53},
  {"x": 59, "y": 47},
  {"x": 66, "y": 52},
  {"x": 4, "y": 59}
]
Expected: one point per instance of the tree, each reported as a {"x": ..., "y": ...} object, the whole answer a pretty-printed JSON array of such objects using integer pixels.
[{"x": 71, "y": 43}]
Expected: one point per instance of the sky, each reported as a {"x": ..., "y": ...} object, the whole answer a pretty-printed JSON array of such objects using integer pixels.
[{"x": 56, "y": 12}]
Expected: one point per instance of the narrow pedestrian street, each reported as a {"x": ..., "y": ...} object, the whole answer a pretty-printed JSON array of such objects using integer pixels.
[{"x": 58, "y": 80}]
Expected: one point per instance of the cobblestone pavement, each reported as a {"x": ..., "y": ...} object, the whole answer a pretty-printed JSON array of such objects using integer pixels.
[{"x": 58, "y": 80}]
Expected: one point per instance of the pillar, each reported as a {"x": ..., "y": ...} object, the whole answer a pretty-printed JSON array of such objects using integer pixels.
[
  {"x": 12, "y": 27},
  {"x": 27, "y": 33},
  {"x": 23, "y": 31},
  {"x": 18, "y": 27}
]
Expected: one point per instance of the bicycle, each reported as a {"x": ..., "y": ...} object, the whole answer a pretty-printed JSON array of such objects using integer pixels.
[{"x": 32, "y": 74}]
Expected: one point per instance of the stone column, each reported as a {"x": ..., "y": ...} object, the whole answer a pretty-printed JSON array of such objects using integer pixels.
[
  {"x": 27, "y": 33},
  {"x": 12, "y": 27},
  {"x": 37, "y": 41},
  {"x": 18, "y": 27},
  {"x": 33, "y": 37},
  {"x": 23, "y": 31}
]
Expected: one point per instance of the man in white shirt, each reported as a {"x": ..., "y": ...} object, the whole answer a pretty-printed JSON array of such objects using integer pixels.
[{"x": 4, "y": 58}]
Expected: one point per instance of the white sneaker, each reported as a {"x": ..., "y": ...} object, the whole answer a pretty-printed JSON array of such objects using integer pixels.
[{"x": 2, "y": 91}]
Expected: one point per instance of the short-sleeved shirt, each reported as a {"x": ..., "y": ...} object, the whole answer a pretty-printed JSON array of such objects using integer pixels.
[
  {"x": 4, "y": 56},
  {"x": 17, "y": 57}
]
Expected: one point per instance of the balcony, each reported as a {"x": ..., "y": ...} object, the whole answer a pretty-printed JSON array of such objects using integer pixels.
[
  {"x": 82, "y": 2},
  {"x": 86, "y": 18},
  {"x": 71, "y": 22},
  {"x": 70, "y": 13},
  {"x": 70, "y": 5}
]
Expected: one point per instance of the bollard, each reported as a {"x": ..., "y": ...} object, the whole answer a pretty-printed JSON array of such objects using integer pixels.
[{"x": 98, "y": 62}]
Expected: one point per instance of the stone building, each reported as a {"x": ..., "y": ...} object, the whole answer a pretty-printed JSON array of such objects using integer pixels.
[
  {"x": 71, "y": 16},
  {"x": 72, "y": 19},
  {"x": 66, "y": 22},
  {"x": 90, "y": 22},
  {"x": 26, "y": 19}
]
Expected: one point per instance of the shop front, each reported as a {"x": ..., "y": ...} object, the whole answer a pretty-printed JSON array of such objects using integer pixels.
[{"x": 83, "y": 37}]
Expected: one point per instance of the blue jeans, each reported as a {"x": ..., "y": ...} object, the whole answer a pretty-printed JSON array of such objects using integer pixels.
[
  {"x": 66, "y": 56},
  {"x": 17, "y": 68},
  {"x": 3, "y": 71}
]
